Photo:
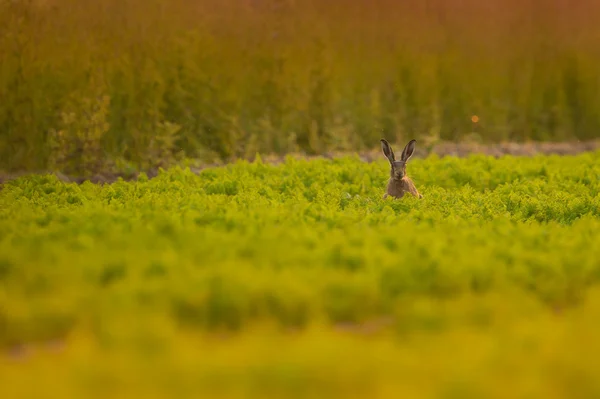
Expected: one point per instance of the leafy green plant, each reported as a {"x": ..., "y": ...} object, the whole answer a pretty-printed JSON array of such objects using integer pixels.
[
  {"x": 287, "y": 270},
  {"x": 76, "y": 146}
]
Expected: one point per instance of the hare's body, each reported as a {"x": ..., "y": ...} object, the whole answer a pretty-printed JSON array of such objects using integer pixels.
[
  {"x": 399, "y": 183},
  {"x": 397, "y": 188}
]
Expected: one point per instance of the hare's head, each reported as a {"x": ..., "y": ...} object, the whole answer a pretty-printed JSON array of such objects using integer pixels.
[{"x": 398, "y": 167}]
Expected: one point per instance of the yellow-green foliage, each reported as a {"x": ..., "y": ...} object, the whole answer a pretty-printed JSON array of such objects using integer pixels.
[
  {"x": 299, "y": 280},
  {"x": 239, "y": 77}
]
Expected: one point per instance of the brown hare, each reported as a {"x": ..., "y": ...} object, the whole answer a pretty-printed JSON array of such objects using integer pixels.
[{"x": 399, "y": 183}]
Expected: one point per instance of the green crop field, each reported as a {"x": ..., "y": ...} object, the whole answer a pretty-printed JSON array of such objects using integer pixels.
[{"x": 299, "y": 280}]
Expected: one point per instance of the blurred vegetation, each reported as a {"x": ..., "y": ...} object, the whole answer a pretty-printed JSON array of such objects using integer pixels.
[
  {"x": 89, "y": 84},
  {"x": 300, "y": 280}
]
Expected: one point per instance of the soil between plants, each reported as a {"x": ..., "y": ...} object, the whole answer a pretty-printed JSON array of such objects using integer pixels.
[{"x": 443, "y": 149}]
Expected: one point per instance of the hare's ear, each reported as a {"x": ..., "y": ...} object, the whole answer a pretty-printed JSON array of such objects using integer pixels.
[
  {"x": 408, "y": 150},
  {"x": 387, "y": 150}
]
